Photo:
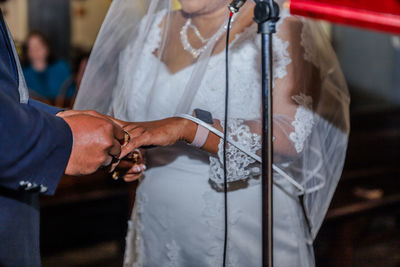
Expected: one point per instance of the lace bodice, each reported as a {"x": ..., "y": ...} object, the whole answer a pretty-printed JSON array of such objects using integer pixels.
[
  {"x": 244, "y": 96},
  {"x": 310, "y": 126},
  {"x": 210, "y": 94}
]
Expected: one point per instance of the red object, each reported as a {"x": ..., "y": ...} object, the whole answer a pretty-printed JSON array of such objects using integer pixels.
[{"x": 381, "y": 15}]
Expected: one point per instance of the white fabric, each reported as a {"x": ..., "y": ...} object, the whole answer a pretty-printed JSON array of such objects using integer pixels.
[
  {"x": 303, "y": 121},
  {"x": 201, "y": 137},
  {"x": 178, "y": 215}
]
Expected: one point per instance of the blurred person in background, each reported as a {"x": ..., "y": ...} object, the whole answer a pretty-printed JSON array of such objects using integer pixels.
[
  {"x": 47, "y": 77},
  {"x": 79, "y": 66}
]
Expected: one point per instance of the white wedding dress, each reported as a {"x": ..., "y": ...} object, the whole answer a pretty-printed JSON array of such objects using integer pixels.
[
  {"x": 178, "y": 218},
  {"x": 178, "y": 215}
]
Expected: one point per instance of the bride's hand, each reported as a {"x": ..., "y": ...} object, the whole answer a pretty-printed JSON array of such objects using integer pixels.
[
  {"x": 132, "y": 166},
  {"x": 159, "y": 133}
]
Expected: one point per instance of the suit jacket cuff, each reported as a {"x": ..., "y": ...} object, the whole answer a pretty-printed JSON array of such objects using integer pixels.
[
  {"x": 44, "y": 107},
  {"x": 54, "y": 168}
]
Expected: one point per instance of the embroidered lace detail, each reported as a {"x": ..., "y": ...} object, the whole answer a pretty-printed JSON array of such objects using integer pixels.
[
  {"x": 154, "y": 38},
  {"x": 173, "y": 253},
  {"x": 303, "y": 121},
  {"x": 281, "y": 58},
  {"x": 134, "y": 239},
  {"x": 213, "y": 217},
  {"x": 281, "y": 55},
  {"x": 240, "y": 166},
  {"x": 128, "y": 256}
]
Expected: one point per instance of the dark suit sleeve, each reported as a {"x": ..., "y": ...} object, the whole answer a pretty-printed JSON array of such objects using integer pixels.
[
  {"x": 44, "y": 107},
  {"x": 34, "y": 145}
]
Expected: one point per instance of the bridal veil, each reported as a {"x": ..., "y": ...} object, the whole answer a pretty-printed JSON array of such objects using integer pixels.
[{"x": 311, "y": 100}]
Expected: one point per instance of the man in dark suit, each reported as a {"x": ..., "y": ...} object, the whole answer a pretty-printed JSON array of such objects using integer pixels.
[{"x": 38, "y": 143}]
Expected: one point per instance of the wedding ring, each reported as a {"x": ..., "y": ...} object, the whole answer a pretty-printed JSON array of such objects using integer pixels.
[
  {"x": 136, "y": 155},
  {"x": 115, "y": 175},
  {"x": 127, "y": 137}
]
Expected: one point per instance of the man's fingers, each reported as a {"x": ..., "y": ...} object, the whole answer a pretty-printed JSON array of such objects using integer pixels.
[
  {"x": 114, "y": 165},
  {"x": 115, "y": 150},
  {"x": 108, "y": 160},
  {"x": 119, "y": 134}
]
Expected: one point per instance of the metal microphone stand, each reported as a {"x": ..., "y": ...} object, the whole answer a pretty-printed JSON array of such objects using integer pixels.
[{"x": 266, "y": 14}]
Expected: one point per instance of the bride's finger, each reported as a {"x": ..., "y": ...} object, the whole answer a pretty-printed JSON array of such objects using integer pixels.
[
  {"x": 131, "y": 177},
  {"x": 144, "y": 139},
  {"x": 137, "y": 169},
  {"x": 131, "y": 145},
  {"x": 119, "y": 122},
  {"x": 132, "y": 126},
  {"x": 125, "y": 164},
  {"x": 128, "y": 167}
]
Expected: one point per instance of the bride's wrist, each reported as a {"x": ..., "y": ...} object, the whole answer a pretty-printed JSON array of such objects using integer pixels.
[{"x": 188, "y": 130}]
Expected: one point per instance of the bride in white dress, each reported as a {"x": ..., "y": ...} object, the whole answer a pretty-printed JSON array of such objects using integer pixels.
[{"x": 152, "y": 62}]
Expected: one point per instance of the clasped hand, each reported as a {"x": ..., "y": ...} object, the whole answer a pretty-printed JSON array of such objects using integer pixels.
[
  {"x": 153, "y": 133},
  {"x": 100, "y": 141}
]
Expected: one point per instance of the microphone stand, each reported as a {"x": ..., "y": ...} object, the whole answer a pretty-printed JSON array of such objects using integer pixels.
[{"x": 266, "y": 14}]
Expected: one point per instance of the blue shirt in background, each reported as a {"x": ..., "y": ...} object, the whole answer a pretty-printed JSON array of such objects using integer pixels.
[{"x": 48, "y": 83}]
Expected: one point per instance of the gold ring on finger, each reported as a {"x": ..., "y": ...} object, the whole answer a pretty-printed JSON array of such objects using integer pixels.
[
  {"x": 127, "y": 137},
  {"x": 115, "y": 175},
  {"x": 135, "y": 157}
]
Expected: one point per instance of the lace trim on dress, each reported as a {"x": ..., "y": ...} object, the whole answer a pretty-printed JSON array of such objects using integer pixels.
[
  {"x": 281, "y": 59},
  {"x": 281, "y": 55},
  {"x": 303, "y": 121},
  {"x": 173, "y": 253},
  {"x": 136, "y": 238},
  {"x": 239, "y": 165},
  {"x": 128, "y": 257},
  {"x": 212, "y": 216}
]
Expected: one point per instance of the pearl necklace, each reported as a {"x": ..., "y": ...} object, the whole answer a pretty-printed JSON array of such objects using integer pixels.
[{"x": 185, "y": 41}]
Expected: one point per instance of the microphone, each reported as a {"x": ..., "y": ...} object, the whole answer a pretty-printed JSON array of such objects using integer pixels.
[{"x": 235, "y": 5}]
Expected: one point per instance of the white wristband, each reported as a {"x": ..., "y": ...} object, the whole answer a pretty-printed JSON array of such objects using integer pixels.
[{"x": 201, "y": 136}]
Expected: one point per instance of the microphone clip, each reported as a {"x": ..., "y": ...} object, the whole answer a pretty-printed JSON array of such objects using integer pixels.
[
  {"x": 266, "y": 14},
  {"x": 235, "y": 5}
]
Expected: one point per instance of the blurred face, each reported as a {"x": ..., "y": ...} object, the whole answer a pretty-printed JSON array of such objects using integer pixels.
[
  {"x": 201, "y": 7},
  {"x": 37, "y": 49}
]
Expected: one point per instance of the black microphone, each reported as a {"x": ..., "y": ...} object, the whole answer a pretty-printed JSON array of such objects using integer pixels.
[{"x": 235, "y": 5}]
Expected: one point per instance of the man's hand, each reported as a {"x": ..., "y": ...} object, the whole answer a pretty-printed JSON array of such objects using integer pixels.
[{"x": 97, "y": 141}]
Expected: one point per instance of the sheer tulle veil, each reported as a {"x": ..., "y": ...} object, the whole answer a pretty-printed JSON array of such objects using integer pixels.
[{"x": 310, "y": 134}]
